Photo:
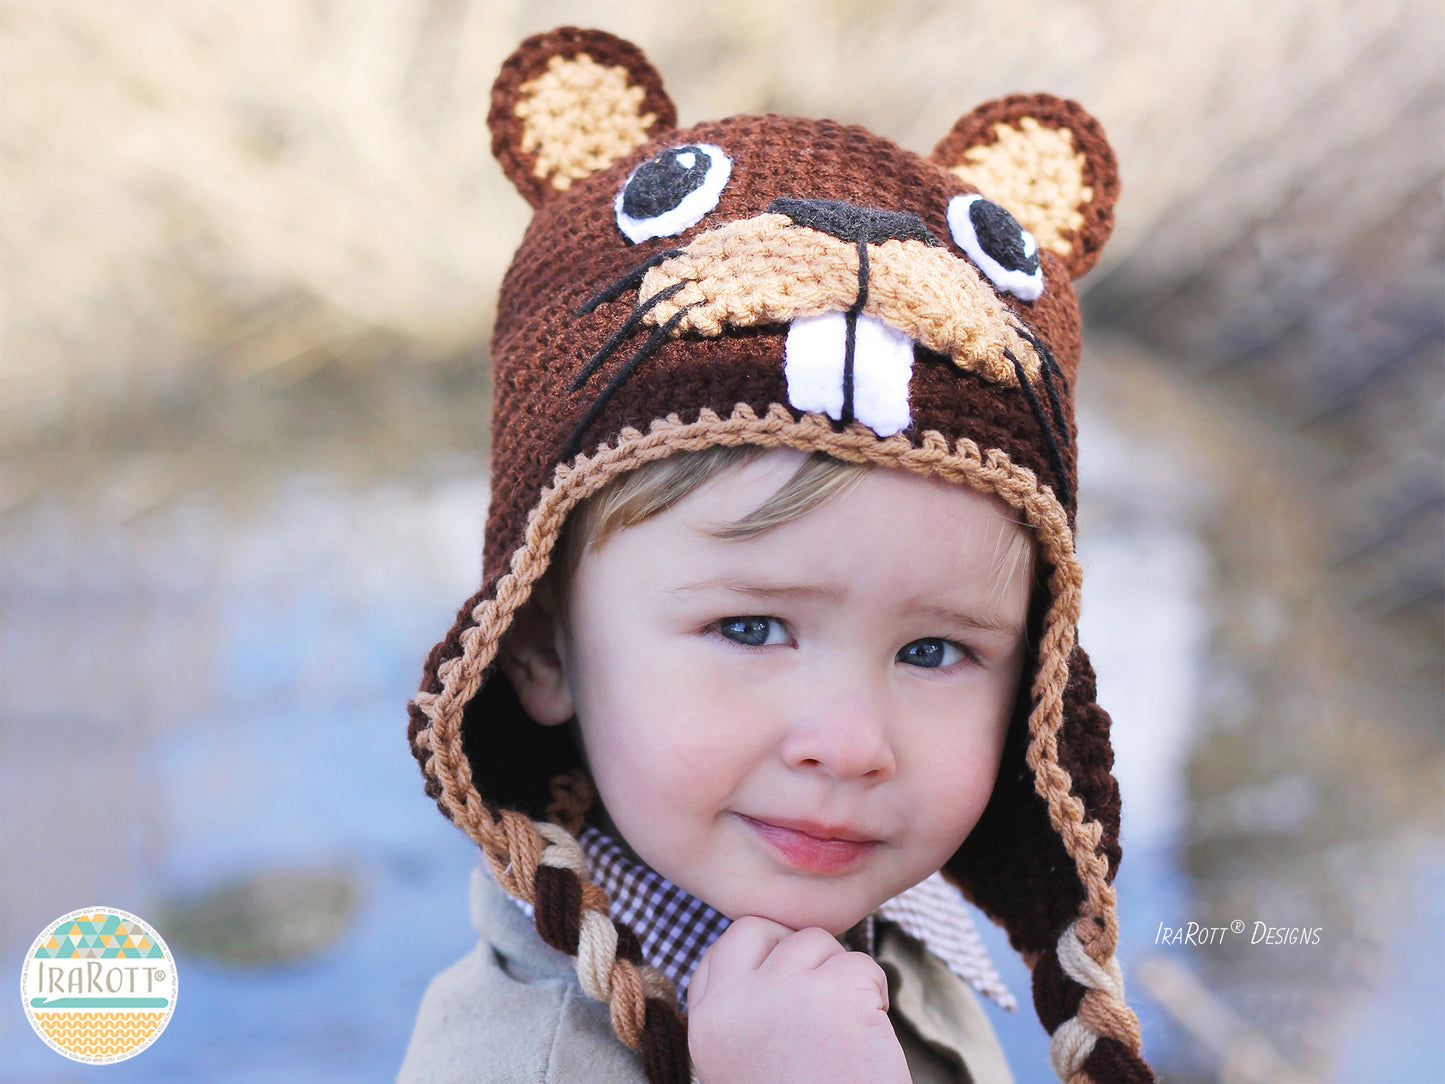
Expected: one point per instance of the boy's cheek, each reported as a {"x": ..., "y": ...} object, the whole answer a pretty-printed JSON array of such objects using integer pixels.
[
  {"x": 958, "y": 789},
  {"x": 680, "y": 700},
  {"x": 669, "y": 753}
]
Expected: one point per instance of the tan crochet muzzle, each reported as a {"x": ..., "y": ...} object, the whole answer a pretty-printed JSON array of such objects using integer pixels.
[{"x": 661, "y": 303}]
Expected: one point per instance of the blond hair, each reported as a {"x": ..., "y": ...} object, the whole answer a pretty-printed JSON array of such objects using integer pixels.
[{"x": 655, "y": 487}]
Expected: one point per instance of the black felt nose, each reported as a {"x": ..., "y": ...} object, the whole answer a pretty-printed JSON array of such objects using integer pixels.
[{"x": 851, "y": 223}]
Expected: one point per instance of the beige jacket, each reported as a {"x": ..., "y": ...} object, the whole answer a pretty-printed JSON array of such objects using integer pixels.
[{"x": 511, "y": 1011}]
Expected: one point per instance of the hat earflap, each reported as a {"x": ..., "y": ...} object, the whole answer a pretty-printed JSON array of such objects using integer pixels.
[
  {"x": 1055, "y": 805},
  {"x": 1078, "y": 985},
  {"x": 537, "y": 861}
]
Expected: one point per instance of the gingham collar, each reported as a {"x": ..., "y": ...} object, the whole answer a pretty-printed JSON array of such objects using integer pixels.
[{"x": 676, "y": 928}]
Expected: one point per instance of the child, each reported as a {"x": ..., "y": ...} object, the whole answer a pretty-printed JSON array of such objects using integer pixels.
[{"x": 779, "y": 604}]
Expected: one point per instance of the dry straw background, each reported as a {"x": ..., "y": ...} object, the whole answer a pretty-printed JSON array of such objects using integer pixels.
[{"x": 248, "y": 241}]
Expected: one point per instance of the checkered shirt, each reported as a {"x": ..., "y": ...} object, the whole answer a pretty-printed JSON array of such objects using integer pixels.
[{"x": 676, "y": 928}]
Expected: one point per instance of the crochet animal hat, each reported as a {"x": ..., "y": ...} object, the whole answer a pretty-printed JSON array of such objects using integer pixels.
[{"x": 790, "y": 283}]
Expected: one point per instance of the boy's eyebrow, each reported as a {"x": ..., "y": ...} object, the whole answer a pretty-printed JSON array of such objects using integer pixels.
[
  {"x": 987, "y": 621},
  {"x": 761, "y": 590}
]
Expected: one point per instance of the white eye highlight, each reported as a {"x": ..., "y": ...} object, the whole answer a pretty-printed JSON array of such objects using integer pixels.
[
  {"x": 671, "y": 191},
  {"x": 996, "y": 243}
]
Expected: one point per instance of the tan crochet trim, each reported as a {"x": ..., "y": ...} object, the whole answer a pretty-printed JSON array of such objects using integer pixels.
[
  {"x": 580, "y": 117},
  {"x": 514, "y": 846},
  {"x": 766, "y": 270},
  {"x": 1035, "y": 172}
]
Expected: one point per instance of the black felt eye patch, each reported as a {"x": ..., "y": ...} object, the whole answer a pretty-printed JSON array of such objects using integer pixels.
[
  {"x": 1000, "y": 235},
  {"x": 661, "y": 183},
  {"x": 997, "y": 244}
]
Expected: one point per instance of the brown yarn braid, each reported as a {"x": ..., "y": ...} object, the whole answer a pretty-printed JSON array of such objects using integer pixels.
[
  {"x": 572, "y": 916},
  {"x": 1078, "y": 987},
  {"x": 566, "y": 894},
  {"x": 1095, "y": 1036},
  {"x": 542, "y": 864}
]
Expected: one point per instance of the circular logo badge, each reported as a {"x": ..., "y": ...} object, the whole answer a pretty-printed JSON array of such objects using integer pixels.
[{"x": 99, "y": 985}]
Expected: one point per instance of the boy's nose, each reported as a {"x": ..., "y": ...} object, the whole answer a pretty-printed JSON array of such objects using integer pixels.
[{"x": 844, "y": 736}]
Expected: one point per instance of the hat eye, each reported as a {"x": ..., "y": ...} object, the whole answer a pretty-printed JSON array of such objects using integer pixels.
[
  {"x": 1001, "y": 248},
  {"x": 671, "y": 191}
]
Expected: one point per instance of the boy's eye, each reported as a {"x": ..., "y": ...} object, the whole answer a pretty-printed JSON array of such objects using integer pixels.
[
  {"x": 753, "y": 631},
  {"x": 931, "y": 653},
  {"x": 671, "y": 191},
  {"x": 996, "y": 243}
]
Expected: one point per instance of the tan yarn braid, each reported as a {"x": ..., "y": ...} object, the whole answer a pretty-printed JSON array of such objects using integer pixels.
[
  {"x": 517, "y": 850},
  {"x": 520, "y": 852}
]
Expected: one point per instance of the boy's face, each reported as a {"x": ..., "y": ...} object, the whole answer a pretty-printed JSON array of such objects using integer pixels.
[{"x": 801, "y": 724}]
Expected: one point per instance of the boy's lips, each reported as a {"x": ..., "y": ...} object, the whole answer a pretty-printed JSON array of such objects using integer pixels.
[{"x": 813, "y": 848}]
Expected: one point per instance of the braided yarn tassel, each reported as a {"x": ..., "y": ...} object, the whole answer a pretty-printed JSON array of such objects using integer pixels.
[
  {"x": 545, "y": 866},
  {"x": 1080, "y": 1000}
]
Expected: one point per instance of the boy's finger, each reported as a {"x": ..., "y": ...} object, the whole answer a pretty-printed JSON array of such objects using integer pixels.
[
  {"x": 743, "y": 946},
  {"x": 803, "y": 951},
  {"x": 698, "y": 983},
  {"x": 859, "y": 970}
]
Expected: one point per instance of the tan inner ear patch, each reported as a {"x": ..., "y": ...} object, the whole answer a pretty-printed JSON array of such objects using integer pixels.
[
  {"x": 1035, "y": 173},
  {"x": 579, "y": 117}
]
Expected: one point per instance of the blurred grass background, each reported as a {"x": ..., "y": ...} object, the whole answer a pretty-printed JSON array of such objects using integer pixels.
[{"x": 249, "y": 253}]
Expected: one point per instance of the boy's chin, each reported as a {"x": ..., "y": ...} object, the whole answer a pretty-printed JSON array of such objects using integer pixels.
[{"x": 802, "y": 915}]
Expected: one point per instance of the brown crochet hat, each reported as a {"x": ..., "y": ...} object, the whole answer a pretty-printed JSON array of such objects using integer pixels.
[{"x": 790, "y": 283}]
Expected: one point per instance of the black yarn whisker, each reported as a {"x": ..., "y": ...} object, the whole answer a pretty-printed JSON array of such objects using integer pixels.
[
  {"x": 628, "y": 326},
  {"x": 1055, "y": 402},
  {"x": 643, "y": 352},
  {"x": 1043, "y": 422},
  {"x": 1041, "y": 348},
  {"x": 629, "y": 281},
  {"x": 864, "y": 274},
  {"x": 1049, "y": 368},
  {"x": 850, "y": 340}
]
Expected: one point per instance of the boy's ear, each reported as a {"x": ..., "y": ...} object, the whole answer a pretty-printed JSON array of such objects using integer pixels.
[
  {"x": 1047, "y": 162},
  {"x": 570, "y": 102},
  {"x": 532, "y": 664}
]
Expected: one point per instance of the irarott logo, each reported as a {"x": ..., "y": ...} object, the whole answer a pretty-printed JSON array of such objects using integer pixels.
[{"x": 99, "y": 985}]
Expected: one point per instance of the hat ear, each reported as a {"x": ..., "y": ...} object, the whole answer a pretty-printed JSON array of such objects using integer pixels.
[
  {"x": 1047, "y": 162},
  {"x": 570, "y": 102}
]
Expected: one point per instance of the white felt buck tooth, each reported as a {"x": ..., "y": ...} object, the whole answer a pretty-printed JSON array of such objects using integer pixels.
[{"x": 882, "y": 366}]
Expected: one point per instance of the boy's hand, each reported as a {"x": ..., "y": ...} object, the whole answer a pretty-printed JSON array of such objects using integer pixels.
[{"x": 768, "y": 1004}]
